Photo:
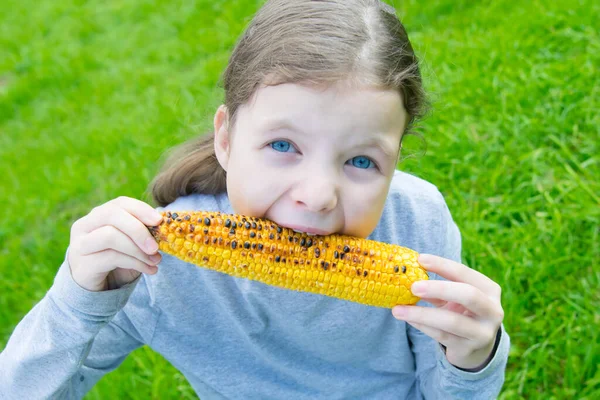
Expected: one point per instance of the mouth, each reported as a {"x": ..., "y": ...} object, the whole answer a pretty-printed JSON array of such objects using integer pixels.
[{"x": 307, "y": 230}]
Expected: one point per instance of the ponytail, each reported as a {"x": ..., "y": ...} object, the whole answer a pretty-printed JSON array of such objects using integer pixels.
[{"x": 192, "y": 167}]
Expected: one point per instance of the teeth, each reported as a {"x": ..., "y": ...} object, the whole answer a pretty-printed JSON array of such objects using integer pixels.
[{"x": 309, "y": 234}]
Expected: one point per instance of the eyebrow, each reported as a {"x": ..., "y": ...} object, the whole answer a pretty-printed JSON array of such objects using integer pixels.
[
  {"x": 283, "y": 123},
  {"x": 280, "y": 123},
  {"x": 379, "y": 144}
]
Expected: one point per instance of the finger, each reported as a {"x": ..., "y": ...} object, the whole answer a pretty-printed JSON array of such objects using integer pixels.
[
  {"x": 97, "y": 217},
  {"x": 458, "y": 272},
  {"x": 434, "y": 302},
  {"x": 109, "y": 237},
  {"x": 443, "y": 320},
  {"x": 464, "y": 294},
  {"x": 445, "y": 338},
  {"x": 143, "y": 211},
  {"x": 108, "y": 260},
  {"x": 123, "y": 221},
  {"x": 454, "y": 307}
]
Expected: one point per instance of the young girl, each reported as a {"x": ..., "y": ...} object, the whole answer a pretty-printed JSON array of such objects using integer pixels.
[{"x": 318, "y": 95}]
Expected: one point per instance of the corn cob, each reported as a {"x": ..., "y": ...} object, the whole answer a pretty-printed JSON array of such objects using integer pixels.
[{"x": 345, "y": 267}]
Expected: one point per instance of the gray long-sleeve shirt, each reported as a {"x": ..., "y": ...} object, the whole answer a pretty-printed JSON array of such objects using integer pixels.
[{"x": 236, "y": 338}]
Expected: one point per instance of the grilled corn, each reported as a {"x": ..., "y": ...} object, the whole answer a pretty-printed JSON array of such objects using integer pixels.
[{"x": 345, "y": 267}]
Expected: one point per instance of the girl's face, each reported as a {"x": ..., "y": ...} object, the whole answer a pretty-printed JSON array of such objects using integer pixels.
[{"x": 317, "y": 160}]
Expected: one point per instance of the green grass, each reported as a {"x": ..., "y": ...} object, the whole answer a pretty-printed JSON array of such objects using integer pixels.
[{"x": 92, "y": 93}]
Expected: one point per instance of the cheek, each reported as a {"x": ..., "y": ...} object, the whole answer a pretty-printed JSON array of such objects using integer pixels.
[
  {"x": 252, "y": 188},
  {"x": 366, "y": 206}
]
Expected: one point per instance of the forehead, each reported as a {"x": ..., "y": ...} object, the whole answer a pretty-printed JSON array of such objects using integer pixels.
[{"x": 327, "y": 107}]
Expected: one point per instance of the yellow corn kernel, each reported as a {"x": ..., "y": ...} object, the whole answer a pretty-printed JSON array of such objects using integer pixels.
[{"x": 345, "y": 267}]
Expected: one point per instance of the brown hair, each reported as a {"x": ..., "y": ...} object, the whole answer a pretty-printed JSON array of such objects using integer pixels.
[{"x": 308, "y": 42}]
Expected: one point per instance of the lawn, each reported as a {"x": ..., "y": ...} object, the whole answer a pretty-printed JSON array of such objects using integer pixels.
[{"x": 93, "y": 93}]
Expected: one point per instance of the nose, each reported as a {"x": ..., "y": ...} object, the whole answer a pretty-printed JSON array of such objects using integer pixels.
[{"x": 317, "y": 193}]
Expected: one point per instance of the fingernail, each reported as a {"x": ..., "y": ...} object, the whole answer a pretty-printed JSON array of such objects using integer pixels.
[
  {"x": 151, "y": 245},
  {"x": 426, "y": 259},
  {"x": 157, "y": 217},
  {"x": 418, "y": 288},
  {"x": 399, "y": 312},
  {"x": 155, "y": 258}
]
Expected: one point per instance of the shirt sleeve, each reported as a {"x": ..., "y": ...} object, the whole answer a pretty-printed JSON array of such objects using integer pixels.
[
  {"x": 436, "y": 377},
  {"x": 67, "y": 342}
]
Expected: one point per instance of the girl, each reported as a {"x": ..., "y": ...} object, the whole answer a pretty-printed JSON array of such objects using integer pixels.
[{"x": 318, "y": 96}]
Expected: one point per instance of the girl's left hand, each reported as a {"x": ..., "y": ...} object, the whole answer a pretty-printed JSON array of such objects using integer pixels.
[{"x": 466, "y": 314}]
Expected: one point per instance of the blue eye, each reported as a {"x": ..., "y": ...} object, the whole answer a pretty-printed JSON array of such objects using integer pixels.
[
  {"x": 281, "y": 146},
  {"x": 362, "y": 162}
]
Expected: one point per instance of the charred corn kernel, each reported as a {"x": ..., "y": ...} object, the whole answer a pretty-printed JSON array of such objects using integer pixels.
[{"x": 345, "y": 267}]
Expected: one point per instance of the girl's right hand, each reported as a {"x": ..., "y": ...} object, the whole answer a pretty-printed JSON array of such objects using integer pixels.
[{"x": 111, "y": 246}]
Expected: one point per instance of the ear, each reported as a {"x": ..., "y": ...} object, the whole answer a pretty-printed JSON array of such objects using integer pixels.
[{"x": 222, "y": 142}]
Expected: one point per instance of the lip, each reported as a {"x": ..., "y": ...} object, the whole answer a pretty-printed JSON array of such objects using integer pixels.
[{"x": 306, "y": 229}]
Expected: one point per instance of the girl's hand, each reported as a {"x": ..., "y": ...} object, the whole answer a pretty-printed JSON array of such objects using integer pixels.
[
  {"x": 467, "y": 312},
  {"x": 112, "y": 244}
]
